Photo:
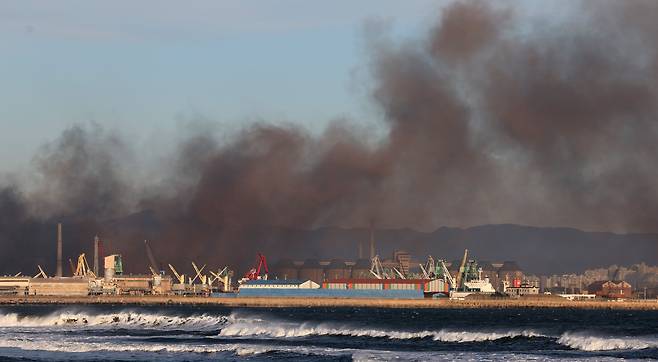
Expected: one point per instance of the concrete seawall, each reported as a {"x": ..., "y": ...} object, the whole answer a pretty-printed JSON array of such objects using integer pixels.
[{"x": 329, "y": 302}]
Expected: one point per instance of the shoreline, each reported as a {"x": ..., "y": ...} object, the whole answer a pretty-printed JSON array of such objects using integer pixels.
[{"x": 274, "y": 302}]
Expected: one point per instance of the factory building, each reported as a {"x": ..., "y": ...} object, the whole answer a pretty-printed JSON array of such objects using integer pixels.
[
  {"x": 337, "y": 269},
  {"x": 74, "y": 287},
  {"x": 14, "y": 285},
  {"x": 133, "y": 284},
  {"x": 520, "y": 290},
  {"x": 614, "y": 289},
  {"x": 286, "y": 269},
  {"x": 312, "y": 270}
]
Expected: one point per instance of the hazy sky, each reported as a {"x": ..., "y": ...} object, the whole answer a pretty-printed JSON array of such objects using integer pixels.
[{"x": 145, "y": 67}]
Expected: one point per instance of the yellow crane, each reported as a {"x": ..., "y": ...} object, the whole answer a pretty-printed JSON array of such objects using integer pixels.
[
  {"x": 460, "y": 272},
  {"x": 153, "y": 272},
  {"x": 202, "y": 278},
  {"x": 83, "y": 269},
  {"x": 180, "y": 277},
  {"x": 223, "y": 276}
]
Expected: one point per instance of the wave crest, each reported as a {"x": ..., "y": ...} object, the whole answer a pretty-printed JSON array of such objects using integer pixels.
[
  {"x": 590, "y": 343},
  {"x": 249, "y": 328},
  {"x": 124, "y": 319}
]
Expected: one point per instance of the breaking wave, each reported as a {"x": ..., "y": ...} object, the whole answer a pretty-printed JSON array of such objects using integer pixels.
[
  {"x": 591, "y": 343},
  {"x": 246, "y": 327},
  {"x": 123, "y": 319},
  {"x": 239, "y": 327},
  {"x": 69, "y": 346}
]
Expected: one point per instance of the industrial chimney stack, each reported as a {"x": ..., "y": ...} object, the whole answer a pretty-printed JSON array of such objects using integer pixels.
[
  {"x": 96, "y": 242},
  {"x": 59, "y": 250}
]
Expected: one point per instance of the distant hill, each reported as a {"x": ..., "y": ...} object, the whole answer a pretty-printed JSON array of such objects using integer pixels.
[
  {"x": 539, "y": 250},
  {"x": 536, "y": 249}
]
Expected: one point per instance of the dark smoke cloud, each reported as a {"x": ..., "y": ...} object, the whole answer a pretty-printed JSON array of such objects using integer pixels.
[{"x": 490, "y": 118}]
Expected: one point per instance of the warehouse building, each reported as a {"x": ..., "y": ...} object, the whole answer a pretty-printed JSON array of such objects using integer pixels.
[
  {"x": 73, "y": 287},
  {"x": 14, "y": 285},
  {"x": 614, "y": 289}
]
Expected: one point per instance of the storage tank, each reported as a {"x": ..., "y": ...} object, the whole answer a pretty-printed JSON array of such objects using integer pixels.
[
  {"x": 286, "y": 269},
  {"x": 312, "y": 270},
  {"x": 337, "y": 269}
]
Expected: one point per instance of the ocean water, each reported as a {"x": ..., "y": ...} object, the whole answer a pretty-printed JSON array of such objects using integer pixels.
[{"x": 191, "y": 333}]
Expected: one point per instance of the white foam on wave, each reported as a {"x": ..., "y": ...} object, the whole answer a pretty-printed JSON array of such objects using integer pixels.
[
  {"x": 123, "y": 319},
  {"x": 245, "y": 327},
  {"x": 586, "y": 342},
  {"x": 370, "y": 356},
  {"x": 70, "y": 346},
  {"x": 75, "y": 346}
]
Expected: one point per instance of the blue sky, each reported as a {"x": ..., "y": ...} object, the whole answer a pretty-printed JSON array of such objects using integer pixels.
[{"x": 146, "y": 67}]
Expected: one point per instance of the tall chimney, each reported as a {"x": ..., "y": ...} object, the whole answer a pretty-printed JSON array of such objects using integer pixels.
[
  {"x": 372, "y": 241},
  {"x": 59, "y": 250},
  {"x": 96, "y": 242}
]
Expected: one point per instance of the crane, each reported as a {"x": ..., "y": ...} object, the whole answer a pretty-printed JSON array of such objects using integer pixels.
[
  {"x": 429, "y": 269},
  {"x": 153, "y": 272},
  {"x": 223, "y": 276},
  {"x": 399, "y": 273},
  {"x": 41, "y": 273},
  {"x": 460, "y": 272},
  {"x": 376, "y": 268},
  {"x": 202, "y": 278},
  {"x": 180, "y": 277},
  {"x": 447, "y": 275},
  {"x": 255, "y": 273},
  {"x": 83, "y": 269},
  {"x": 72, "y": 266},
  {"x": 149, "y": 253}
]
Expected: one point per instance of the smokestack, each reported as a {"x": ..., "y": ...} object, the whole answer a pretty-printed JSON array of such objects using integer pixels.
[
  {"x": 59, "y": 250},
  {"x": 372, "y": 241},
  {"x": 96, "y": 242}
]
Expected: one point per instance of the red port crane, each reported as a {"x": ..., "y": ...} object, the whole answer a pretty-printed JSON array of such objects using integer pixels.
[{"x": 254, "y": 273}]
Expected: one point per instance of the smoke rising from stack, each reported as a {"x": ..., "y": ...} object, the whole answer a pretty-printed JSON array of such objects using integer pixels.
[{"x": 490, "y": 118}]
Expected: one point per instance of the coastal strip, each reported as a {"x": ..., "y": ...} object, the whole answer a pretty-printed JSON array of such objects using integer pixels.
[{"x": 246, "y": 302}]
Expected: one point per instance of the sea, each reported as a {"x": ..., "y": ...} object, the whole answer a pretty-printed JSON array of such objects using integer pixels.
[{"x": 201, "y": 333}]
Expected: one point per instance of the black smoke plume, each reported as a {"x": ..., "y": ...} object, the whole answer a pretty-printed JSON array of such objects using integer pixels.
[{"x": 492, "y": 117}]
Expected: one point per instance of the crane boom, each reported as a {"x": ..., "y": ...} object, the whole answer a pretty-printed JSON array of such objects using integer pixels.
[
  {"x": 181, "y": 278},
  {"x": 447, "y": 275},
  {"x": 151, "y": 257},
  {"x": 198, "y": 270},
  {"x": 460, "y": 272}
]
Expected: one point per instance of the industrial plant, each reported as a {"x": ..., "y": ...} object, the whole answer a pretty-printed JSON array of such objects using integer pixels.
[{"x": 398, "y": 277}]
